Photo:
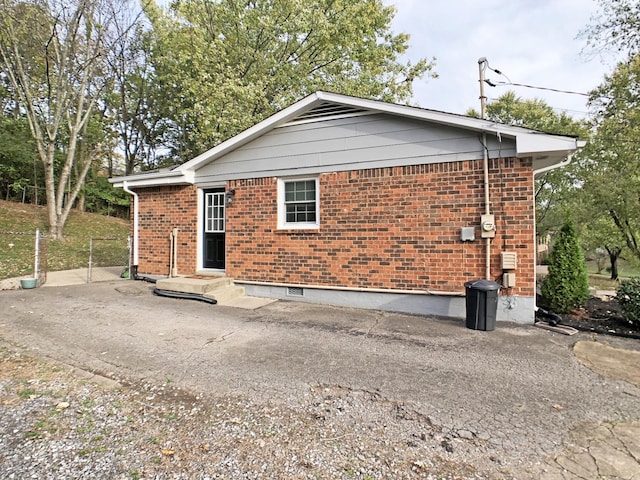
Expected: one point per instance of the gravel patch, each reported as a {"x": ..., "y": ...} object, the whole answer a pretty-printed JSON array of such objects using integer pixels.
[{"x": 55, "y": 424}]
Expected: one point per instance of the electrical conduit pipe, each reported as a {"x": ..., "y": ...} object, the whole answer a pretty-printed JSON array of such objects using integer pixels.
[{"x": 136, "y": 212}]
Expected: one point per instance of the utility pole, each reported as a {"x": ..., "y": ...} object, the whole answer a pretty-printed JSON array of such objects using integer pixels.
[{"x": 482, "y": 65}]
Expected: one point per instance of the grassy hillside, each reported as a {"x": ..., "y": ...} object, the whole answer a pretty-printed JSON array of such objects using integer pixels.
[{"x": 17, "y": 251}]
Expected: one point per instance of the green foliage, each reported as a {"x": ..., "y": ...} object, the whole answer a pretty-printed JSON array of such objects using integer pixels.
[
  {"x": 566, "y": 285},
  {"x": 610, "y": 165},
  {"x": 101, "y": 197},
  {"x": 615, "y": 26},
  {"x": 18, "y": 165},
  {"x": 628, "y": 296},
  {"x": 232, "y": 63},
  {"x": 531, "y": 113},
  {"x": 555, "y": 189}
]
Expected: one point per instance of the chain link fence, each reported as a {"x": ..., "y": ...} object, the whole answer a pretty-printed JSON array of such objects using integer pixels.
[
  {"x": 109, "y": 258},
  {"x": 22, "y": 255}
]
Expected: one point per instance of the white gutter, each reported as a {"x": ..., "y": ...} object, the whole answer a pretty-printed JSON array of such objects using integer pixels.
[
  {"x": 548, "y": 168},
  {"x": 136, "y": 212}
]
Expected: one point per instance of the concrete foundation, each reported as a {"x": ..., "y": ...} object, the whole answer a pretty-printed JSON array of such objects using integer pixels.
[{"x": 513, "y": 309}]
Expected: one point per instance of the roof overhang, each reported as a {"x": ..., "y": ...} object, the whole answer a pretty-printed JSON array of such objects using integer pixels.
[
  {"x": 155, "y": 179},
  {"x": 547, "y": 151}
]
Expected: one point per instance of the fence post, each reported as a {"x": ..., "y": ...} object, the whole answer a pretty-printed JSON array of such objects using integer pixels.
[
  {"x": 90, "y": 259},
  {"x": 37, "y": 255},
  {"x": 129, "y": 256}
]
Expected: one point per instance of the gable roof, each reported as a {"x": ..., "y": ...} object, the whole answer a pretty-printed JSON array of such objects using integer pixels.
[{"x": 547, "y": 150}]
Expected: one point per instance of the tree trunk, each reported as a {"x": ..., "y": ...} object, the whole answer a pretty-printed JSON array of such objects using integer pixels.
[{"x": 614, "y": 254}]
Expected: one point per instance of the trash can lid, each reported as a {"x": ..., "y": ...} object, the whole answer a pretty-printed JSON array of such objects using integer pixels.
[{"x": 483, "y": 285}]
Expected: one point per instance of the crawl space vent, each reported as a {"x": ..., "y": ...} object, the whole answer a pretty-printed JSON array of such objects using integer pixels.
[{"x": 295, "y": 292}]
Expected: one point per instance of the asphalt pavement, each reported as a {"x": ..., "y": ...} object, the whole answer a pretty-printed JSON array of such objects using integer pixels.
[{"x": 518, "y": 388}]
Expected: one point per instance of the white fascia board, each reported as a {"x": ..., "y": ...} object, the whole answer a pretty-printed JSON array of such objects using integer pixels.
[
  {"x": 155, "y": 179},
  {"x": 540, "y": 143}
]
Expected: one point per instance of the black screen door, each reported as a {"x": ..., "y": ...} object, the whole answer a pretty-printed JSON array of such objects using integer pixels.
[{"x": 214, "y": 227}]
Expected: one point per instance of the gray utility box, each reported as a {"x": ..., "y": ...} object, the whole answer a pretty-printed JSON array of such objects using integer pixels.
[{"x": 482, "y": 304}]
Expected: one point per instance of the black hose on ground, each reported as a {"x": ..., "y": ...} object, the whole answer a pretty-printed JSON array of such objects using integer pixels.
[
  {"x": 187, "y": 296},
  {"x": 602, "y": 331},
  {"x": 145, "y": 279},
  {"x": 553, "y": 318}
]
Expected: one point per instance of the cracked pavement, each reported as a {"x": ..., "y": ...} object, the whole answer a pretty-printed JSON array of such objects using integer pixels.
[{"x": 517, "y": 396}]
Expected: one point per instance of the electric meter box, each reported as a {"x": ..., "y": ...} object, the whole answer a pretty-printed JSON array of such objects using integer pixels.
[{"x": 488, "y": 225}]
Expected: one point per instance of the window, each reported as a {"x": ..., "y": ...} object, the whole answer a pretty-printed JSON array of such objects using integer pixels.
[
  {"x": 214, "y": 212},
  {"x": 298, "y": 203}
]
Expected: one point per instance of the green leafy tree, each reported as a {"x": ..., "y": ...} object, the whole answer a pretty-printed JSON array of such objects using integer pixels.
[
  {"x": 18, "y": 166},
  {"x": 225, "y": 65},
  {"x": 135, "y": 101},
  {"x": 616, "y": 25},
  {"x": 555, "y": 189},
  {"x": 600, "y": 235},
  {"x": 566, "y": 286},
  {"x": 610, "y": 167},
  {"x": 53, "y": 53}
]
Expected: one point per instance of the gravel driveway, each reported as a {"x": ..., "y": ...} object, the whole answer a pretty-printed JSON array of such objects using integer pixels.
[{"x": 184, "y": 389}]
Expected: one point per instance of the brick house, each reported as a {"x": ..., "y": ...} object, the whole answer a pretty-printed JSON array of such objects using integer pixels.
[{"x": 348, "y": 201}]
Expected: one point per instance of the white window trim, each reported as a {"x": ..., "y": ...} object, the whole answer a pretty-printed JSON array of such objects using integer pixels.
[{"x": 282, "y": 223}]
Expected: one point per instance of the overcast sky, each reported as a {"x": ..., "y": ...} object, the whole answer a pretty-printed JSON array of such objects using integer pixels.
[{"x": 533, "y": 42}]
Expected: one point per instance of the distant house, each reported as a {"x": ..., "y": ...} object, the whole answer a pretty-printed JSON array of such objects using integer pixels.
[{"x": 348, "y": 201}]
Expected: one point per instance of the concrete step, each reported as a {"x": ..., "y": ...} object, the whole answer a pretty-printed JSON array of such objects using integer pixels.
[
  {"x": 225, "y": 295},
  {"x": 199, "y": 286}
]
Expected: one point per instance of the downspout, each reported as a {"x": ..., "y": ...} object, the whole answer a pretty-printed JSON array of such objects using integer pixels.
[{"x": 136, "y": 214}]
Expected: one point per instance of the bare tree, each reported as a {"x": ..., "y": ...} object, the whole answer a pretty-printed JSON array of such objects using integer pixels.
[{"x": 53, "y": 52}]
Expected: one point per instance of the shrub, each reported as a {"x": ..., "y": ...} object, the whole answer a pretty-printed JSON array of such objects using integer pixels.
[
  {"x": 629, "y": 300},
  {"x": 566, "y": 286}
]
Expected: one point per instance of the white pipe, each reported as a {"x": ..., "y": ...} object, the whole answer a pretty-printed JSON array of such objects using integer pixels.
[
  {"x": 171, "y": 239},
  {"x": 487, "y": 205},
  {"x": 173, "y": 254},
  {"x": 136, "y": 211},
  {"x": 37, "y": 255},
  {"x": 482, "y": 64},
  {"x": 174, "y": 273}
]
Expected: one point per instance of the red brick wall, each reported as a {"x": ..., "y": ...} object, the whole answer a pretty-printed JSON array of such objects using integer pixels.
[
  {"x": 161, "y": 210},
  {"x": 388, "y": 228}
]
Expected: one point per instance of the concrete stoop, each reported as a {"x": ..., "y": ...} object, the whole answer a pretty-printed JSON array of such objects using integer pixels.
[{"x": 221, "y": 289}]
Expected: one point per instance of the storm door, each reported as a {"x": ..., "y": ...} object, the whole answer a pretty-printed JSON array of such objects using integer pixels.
[{"x": 214, "y": 227}]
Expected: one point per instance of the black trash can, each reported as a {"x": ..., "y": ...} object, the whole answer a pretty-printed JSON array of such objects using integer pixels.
[{"x": 482, "y": 304}]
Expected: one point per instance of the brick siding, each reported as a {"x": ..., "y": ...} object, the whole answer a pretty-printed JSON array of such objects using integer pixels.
[
  {"x": 395, "y": 228},
  {"x": 161, "y": 210}
]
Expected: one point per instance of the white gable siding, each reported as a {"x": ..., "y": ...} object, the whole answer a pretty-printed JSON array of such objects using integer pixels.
[{"x": 360, "y": 142}]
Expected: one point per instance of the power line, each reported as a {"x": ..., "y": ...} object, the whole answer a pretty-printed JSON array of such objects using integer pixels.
[{"x": 504, "y": 84}]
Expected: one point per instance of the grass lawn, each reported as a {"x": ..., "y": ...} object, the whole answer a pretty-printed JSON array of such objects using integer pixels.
[
  {"x": 17, "y": 251},
  {"x": 602, "y": 281}
]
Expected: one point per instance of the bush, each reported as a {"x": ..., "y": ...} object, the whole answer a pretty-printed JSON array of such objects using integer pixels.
[
  {"x": 629, "y": 300},
  {"x": 566, "y": 286}
]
